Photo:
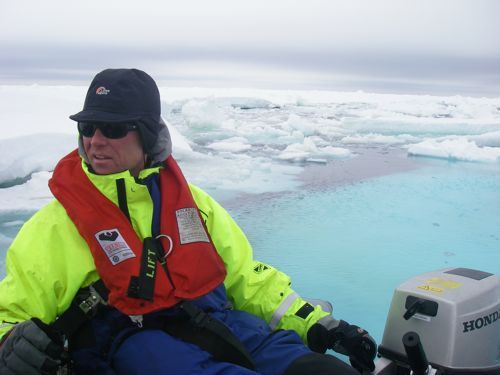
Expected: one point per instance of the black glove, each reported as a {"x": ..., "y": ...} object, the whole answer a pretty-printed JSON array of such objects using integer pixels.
[
  {"x": 27, "y": 349},
  {"x": 346, "y": 339}
]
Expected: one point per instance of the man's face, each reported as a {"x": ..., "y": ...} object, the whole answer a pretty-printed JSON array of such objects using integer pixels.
[{"x": 108, "y": 155}]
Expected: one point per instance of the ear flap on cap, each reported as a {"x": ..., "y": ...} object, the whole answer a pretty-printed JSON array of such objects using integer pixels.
[{"x": 158, "y": 147}]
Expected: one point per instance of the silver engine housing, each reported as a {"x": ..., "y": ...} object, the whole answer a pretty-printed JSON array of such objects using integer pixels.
[{"x": 456, "y": 313}]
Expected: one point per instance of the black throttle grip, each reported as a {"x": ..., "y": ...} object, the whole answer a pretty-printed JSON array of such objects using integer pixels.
[{"x": 415, "y": 353}]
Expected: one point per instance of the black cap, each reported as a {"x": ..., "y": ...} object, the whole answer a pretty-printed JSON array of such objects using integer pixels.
[{"x": 124, "y": 95}]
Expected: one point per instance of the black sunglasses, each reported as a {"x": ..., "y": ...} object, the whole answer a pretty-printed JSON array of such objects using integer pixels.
[{"x": 112, "y": 131}]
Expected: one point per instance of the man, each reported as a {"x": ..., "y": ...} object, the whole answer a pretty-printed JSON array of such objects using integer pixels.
[{"x": 143, "y": 273}]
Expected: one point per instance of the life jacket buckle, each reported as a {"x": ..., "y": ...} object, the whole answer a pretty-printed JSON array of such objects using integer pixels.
[{"x": 89, "y": 304}]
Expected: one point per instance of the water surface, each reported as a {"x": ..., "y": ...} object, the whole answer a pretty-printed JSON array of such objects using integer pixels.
[{"x": 354, "y": 243}]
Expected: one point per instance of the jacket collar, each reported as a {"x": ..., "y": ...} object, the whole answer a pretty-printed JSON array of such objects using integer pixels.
[{"x": 106, "y": 184}]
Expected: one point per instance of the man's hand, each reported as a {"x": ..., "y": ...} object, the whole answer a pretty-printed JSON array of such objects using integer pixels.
[
  {"x": 346, "y": 339},
  {"x": 28, "y": 349}
]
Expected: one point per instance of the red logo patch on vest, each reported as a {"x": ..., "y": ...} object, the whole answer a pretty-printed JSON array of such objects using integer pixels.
[{"x": 114, "y": 245}]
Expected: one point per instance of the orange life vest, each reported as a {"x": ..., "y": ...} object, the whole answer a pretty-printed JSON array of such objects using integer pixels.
[{"x": 193, "y": 266}]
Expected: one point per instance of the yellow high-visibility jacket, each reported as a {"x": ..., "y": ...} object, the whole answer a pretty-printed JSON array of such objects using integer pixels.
[{"x": 48, "y": 262}]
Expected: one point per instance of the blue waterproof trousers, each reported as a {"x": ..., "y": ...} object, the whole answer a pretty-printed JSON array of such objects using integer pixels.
[
  {"x": 155, "y": 352},
  {"x": 120, "y": 347}
]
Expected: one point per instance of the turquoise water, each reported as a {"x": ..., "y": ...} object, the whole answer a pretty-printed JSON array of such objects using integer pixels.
[{"x": 354, "y": 244}]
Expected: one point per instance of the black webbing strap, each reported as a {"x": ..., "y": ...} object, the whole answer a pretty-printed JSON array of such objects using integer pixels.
[
  {"x": 122, "y": 197},
  {"x": 210, "y": 335},
  {"x": 82, "y": 309}
]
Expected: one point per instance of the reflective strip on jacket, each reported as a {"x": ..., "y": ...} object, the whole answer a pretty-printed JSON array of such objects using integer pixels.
[{"x": 48, "y": 262}]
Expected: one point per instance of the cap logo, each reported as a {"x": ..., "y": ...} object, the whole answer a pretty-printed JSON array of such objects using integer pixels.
[{"x": 102, "y": 91}]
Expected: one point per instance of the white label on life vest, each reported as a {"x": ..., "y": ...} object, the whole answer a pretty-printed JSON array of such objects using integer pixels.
[
  {"x": 190, "y": 226},
  {"x": 115, "y": 247}
]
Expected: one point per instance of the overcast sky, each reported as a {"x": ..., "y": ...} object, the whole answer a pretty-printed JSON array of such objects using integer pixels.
[{"x": 418, "y": 46}]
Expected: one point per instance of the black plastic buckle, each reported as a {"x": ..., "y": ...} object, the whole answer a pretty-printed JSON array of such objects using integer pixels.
[{"x": 89, "y": 304}]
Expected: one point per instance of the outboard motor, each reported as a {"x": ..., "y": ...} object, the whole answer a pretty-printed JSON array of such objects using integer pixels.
[{"x": 443, "y": 322}]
